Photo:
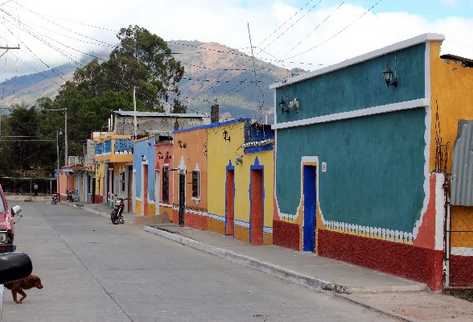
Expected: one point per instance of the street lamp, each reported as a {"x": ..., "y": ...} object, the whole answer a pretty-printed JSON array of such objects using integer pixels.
[
  {"x": 58, "y": 133},
  {"x": 65, "y": 130}
]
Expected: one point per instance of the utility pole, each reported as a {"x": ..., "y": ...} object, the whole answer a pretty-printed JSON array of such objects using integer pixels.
[
  {"x": 66, "y": 145},
  {"x": 260, "y": 105},
  {"x": 135, "y": 122},
  {"x": 7, "y": 48},
  {"x": 58, "y": 165}
]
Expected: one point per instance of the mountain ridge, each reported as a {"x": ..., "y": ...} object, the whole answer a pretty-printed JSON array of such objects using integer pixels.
[{"x": 213, "y": 72}]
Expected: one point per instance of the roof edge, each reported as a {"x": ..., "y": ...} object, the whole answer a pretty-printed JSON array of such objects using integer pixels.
[{"x": 361, "y": 58}]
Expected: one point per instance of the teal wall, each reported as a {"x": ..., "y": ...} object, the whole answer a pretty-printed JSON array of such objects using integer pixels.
[
  {"x": 358, "y": 86},
  {"x": 375, "y": 168}
]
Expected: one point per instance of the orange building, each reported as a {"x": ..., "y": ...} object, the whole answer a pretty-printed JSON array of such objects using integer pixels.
[{"x": 190, "y": 177}]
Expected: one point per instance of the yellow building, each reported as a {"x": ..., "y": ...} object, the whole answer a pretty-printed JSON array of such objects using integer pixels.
[
  {"x": 114, "y": 167},
  {"x": 240, "y": 180}
]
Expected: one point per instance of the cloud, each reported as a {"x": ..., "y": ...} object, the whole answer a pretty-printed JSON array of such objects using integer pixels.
[{"x": 225, "y": 22}]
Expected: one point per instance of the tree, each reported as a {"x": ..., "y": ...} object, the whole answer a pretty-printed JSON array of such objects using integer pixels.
[{"x": 141, "y": 59}]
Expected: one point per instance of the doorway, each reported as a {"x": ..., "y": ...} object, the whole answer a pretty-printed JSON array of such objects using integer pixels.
[
  {"x": 130, "y": 193},
  {"x": 257, "y": 206},
  {"x": 157, "y": 192},
  {"x": 182, "y": 197},
  {"x": 230, "y": 202},
  {"x": 310, "y": 197},
  {"x": 145, "y": 188},
  {"x": 94, "y": 187}
]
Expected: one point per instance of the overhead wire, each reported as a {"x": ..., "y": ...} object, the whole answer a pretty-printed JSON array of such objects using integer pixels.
[
  {"x": 286, "y": 21},
  {"x": 339, "y": 32},
  {"x": 292, "y": 25},
  {"x": 39, "y": 38},
  {"x": 39, "y": 35},
  {"x": 327, "y": 18},
  {"x": 42, "y": 61},
  {"x": 42, "y": 16}
]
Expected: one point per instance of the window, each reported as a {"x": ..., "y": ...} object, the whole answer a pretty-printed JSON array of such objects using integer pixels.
[
  {"x": 196, "y": 184},
  {"x": 165, "y": 195},
  {"x": 123, "y": 182}
]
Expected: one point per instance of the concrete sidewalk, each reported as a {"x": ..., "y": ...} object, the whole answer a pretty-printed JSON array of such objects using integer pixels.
[
  {"x": 319, "y": 272},
  {"x": 397, "y": 297}
]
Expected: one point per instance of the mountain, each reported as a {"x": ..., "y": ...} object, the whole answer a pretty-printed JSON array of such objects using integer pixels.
[
  {"x": 26, "y": 89},
  {"x": 212, "y": 72}
]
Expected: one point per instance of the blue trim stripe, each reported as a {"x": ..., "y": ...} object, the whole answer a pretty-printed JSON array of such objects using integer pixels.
[{"x": 256, "y": 149}]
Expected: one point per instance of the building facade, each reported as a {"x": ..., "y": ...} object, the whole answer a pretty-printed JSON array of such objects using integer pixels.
[
  {"x": 144, "y": 155},
  {"x": 222, "y": 177},
  {"x": 164, "y": 182},
  {"x": 114, "y": 168},
  {"x": 355, "y": 159},
  {"x": 189, "y": 177},
  {"x": 148, "y": 123}
]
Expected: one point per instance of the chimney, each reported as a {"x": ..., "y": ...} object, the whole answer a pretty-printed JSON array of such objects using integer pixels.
[{"x": 215, "y": 113}]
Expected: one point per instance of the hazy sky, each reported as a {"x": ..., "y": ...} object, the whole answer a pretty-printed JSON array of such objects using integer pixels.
[{"x": 323, "y": 32}]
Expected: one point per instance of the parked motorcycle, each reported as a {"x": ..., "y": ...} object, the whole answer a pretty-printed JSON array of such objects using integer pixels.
[
  {"x": 54, "y": 199},
  {"x": 69, "y": 196},
  {"x": 117, "y": 213}
]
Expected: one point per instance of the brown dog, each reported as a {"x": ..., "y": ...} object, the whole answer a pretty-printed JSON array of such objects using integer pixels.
[{"x": 18, "y": 286}]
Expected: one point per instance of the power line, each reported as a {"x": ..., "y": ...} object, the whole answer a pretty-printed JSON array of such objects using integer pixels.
[
  {"x": 33, "y": 53},
  {"x": 49, "y": 45},
  {"x": 93, "y": 26},
  {"x": 19, "y": 22},
  {"x": 340, "y": 31},
  {"x": 327, "y": 18},
  {"x": 63, "y": 27},
  {"x": 286, "y": 22},
  {"x": 293, "y": 24}
]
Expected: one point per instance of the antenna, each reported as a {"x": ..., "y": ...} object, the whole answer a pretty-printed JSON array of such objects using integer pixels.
[{"x": 260, "y": 104}]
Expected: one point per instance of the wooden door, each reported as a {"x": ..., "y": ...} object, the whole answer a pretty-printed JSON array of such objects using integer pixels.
[
  {"x": 257, "y": 207},
  {"x": 230, "y": 203}
]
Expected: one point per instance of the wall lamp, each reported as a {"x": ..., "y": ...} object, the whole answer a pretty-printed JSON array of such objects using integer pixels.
[
  {"x": 239, "y": 160},
  {"x": 226, "y": 136},
  {"x": 390, "y": 77},
  {"x": 181, "y": 144}
]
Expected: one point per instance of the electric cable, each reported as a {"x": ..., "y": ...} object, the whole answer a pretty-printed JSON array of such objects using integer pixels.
[
  {"x": 339, "y": 32},
  {"x": 327, "y": 18}
]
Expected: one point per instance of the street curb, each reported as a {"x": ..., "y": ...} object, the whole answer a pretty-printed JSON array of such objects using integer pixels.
[
  {"x": 262, "y": 266},
  {"x": 285, "y": 274},
  {"x": 347, "y": 298}
]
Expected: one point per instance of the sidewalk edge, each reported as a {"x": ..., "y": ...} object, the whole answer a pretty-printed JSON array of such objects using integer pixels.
[{"x": 274, "y": 270}]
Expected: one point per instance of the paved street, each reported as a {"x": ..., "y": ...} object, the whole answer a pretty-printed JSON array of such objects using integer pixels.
[{"x": 94, "y": 271}]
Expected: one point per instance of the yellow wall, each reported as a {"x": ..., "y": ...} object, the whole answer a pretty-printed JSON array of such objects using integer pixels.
[
  {"x": 100, "y": 177},
  {"x": 219, "y": 153},
  {"x": 242, "y": 186},
  {"x": 452, "y": 88}
]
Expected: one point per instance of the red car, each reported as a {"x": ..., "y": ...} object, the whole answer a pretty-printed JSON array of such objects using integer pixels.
[{"x": 7, "y": 224}]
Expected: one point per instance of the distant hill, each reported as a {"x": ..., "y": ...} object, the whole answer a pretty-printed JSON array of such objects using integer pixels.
[
  {"x": 28, "y": 88},
  {"x": 213, "y": 71}
]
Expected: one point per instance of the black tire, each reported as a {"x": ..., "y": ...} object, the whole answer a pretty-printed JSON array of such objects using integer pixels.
[{"x": 113, "y": 217}]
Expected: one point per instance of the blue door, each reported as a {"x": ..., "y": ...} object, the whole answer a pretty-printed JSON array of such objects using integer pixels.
[{"x": 309, "y": 208}]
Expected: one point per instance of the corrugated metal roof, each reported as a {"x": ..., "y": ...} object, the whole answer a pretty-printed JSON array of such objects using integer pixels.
[
  {"x": 462, "y": 171},
  {"x": 158, "y": 114},
  {"x": 464, "y": 61}
]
